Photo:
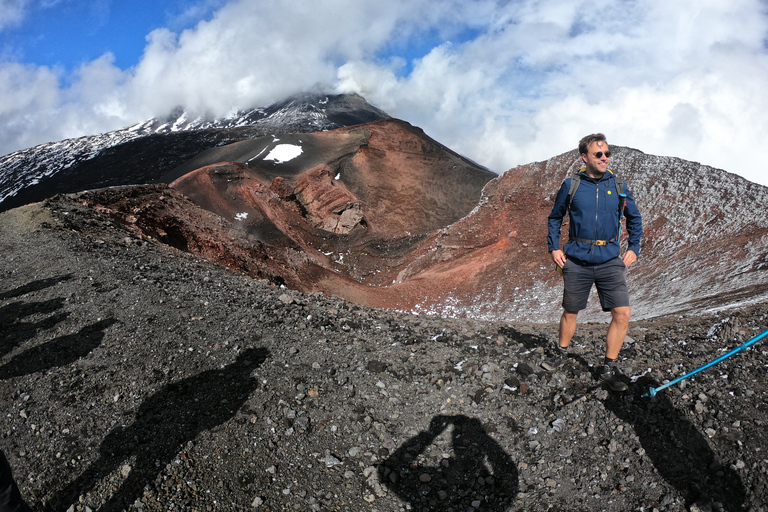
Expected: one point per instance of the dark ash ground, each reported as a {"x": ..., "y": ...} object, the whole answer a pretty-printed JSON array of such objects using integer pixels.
[{"x": 137, "y": 377}]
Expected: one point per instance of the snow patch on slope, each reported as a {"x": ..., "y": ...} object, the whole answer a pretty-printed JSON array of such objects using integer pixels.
[{"x": 283, "y": 153}]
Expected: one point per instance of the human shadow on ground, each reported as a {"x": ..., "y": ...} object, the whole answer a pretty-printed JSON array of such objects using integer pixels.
[
  {"x": 165, "y": 422},
  {"x": 677, "y": 449},
  {"x": 35, "y": 286},
  {"x": 59, "y": 351},
  {"x": 479, "y": 475},
  {"x": 15, "y": 331}
]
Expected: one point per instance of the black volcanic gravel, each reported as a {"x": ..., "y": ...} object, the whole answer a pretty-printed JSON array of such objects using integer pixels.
[{"x": 135, "y": 377}]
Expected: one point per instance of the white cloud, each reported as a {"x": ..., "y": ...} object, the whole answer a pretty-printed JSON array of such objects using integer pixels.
[
  {"x": 11, "y": 12},
  {"x": 542, "y": 77},
  {"x": 671, "y": 78},
  {"x": 30, "y": 94}
]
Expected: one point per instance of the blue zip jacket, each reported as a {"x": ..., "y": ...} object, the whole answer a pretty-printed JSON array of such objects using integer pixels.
[{"x": 594, "y": 215}]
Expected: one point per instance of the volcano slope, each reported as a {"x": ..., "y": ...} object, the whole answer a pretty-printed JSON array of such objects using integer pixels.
[
  {"x": 384, "y": 216},
  {"x": 343, "y": 215},
  {"x": 135, "y": 376}
]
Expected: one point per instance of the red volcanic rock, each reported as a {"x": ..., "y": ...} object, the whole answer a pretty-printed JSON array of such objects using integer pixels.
[
  {"x": 384, "y": 216},
  {"x": 354, "y": 201},
  {"x": 328, "y": 204}
]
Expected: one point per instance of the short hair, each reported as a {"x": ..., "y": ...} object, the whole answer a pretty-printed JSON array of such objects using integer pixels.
[{"x": 589, "y": 139}]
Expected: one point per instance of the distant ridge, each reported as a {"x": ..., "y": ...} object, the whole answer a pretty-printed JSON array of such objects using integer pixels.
[{"x": 144, "y": 152}]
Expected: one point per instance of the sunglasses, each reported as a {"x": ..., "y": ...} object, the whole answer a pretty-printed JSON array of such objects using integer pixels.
[{"x": 599, "y": 154}]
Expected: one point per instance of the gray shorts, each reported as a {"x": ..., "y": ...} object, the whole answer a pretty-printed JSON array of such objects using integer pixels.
[{"x": 610, "y": 278}]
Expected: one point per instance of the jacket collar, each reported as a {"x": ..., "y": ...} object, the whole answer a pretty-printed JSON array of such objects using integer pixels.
[{"x": 583, "y": 173}]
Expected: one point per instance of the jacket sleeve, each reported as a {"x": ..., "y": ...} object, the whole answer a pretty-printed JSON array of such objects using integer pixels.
[
  {"x": 555, "y": 219},
  {"x": 634, "y": 224}
]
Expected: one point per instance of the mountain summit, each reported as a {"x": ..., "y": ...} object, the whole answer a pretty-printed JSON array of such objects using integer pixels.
[{"x": 146, "y": 151}]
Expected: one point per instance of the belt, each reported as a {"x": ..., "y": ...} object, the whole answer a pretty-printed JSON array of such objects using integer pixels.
[{"x": 594, "y": 242}]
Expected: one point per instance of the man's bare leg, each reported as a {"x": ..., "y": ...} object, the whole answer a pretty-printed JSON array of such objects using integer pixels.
[
  {"x": 617, "y": 331},
  {"x": 559, "y": 355},
  {"x": 567, "y": 327}
]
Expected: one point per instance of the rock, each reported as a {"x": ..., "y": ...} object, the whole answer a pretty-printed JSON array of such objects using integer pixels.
[
  {"x": 701, "y": 506},
  {"x": 524, "y": 369},
  {"x": 331, "y": 461}
]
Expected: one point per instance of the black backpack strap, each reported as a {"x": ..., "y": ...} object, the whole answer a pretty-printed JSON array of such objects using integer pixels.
[
  {"x": 622, "y": 197},
  {"x": 619, "y": 184},
  {"x": 575, "y": 181}
]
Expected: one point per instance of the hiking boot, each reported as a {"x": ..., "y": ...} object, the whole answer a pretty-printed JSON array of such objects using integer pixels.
[
  {"x": 612, "y": 376},
  {"x": 556, "y": 360}
]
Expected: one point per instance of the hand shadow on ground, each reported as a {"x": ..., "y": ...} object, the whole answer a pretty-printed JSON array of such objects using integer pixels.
[
  {"x": 677, "y": 449},
  {"x": 165, "y": 422},
  {"x": 59, "y": 351},
  {"x": 15, "y": 332},
  {"x": 479, "y": 475}
]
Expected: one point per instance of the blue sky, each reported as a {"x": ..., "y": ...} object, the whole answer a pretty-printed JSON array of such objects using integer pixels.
[
  {"x": 70, "y": 33},
  {"x": 502, "y": 82}
]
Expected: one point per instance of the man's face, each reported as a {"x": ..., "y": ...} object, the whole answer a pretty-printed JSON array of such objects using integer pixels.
[{"x": 596, "y": 165}]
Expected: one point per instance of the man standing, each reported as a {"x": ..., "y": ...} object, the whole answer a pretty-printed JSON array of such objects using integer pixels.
[{"x": 592, "y": 255}]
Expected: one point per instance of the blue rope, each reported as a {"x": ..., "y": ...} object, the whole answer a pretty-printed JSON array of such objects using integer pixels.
[{"x": 653, "y": 391}]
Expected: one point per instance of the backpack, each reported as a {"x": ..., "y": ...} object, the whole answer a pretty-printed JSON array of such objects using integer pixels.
[{"x": 576, "y": 181}]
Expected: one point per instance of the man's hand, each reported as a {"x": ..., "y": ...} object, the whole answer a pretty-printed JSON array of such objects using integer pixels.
[
  {"x": 559, "y": 257},
  {"x": 629, "y": 258}
]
